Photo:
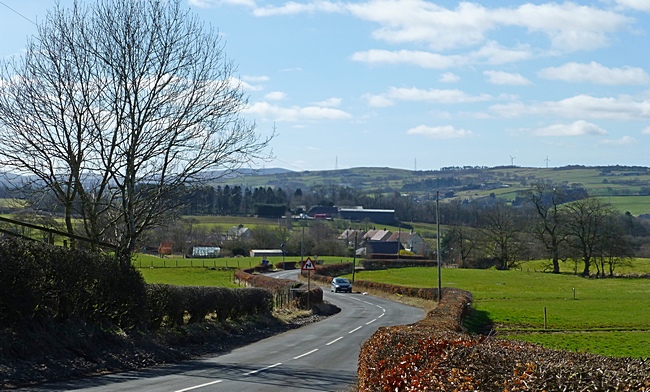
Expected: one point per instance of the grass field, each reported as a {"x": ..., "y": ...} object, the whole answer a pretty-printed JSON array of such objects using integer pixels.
[
  {"x": 189, "y": 276},
  {"x": 150, "y": 261},
  {"x": 608, "y": 316},
  {"x": 614, "y": 312},
  {"x": 638, "y": 267}
]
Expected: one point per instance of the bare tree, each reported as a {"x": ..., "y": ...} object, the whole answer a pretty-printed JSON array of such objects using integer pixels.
[
  {"x": 500, "y": 227},
  {"x": 461, "y": 241},
  {"x": 587, "y": 221},
  {"x": 117, "y": 107},
  {"x": 549, "y": 228},
  {"x": 614, "y": 249}
]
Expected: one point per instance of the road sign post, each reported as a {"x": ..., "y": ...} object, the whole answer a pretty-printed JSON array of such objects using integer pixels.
[{"x": 308, "y": 266}]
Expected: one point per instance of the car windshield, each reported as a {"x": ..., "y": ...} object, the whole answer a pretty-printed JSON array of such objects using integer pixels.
[{"x": 340, "y": 280}]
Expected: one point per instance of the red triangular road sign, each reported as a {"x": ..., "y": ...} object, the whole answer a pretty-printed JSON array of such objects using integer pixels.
[{"x": 308, "y": 265}]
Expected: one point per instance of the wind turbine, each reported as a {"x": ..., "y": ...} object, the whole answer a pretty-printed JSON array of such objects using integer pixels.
[{"x": 512, "y": 160}]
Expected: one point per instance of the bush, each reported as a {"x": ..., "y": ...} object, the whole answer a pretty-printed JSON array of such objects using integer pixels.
[
  {"x": 177, "y": 305},
  {"x": 41, "y": 283}
]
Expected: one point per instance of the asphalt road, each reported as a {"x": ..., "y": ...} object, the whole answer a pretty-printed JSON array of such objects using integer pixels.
[{"x": 318, "y": 357}]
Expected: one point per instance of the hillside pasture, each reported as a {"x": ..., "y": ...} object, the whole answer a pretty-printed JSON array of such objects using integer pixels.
[{"x": 618, "y": 309}]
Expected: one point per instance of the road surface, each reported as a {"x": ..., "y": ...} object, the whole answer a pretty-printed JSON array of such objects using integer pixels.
[{"x": 318, "y": 357}]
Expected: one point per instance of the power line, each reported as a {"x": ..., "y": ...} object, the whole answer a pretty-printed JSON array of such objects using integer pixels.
[{"x": 19, "y": 14}]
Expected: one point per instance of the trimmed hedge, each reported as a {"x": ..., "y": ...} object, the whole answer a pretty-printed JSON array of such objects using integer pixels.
[
  {"x": 397, "y": 263},
  {"x": 292, "y": 288},
  {"x": 171, "y": 305},
  {"x": 40, "y": 283},
  {"x": 435, "y": 355}
]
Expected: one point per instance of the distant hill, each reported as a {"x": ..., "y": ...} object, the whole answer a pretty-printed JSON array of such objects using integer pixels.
[
  {"x": 599, "y": 180},
  {"x": 464, "y": 182}
]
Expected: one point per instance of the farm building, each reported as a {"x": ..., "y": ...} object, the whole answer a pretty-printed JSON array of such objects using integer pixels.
[
  {"x": 384, "y": 217},
  {"x": 265, "y": 252},
  {"x": 206, "y": 251}
]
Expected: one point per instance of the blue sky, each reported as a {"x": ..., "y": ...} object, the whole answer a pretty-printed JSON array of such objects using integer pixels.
[{"x": 427, "y": 84}]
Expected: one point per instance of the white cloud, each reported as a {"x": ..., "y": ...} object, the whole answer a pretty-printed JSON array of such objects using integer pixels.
[
  {"x": 568, "y": 26},
  {"x": 580, "y": 106},
  {"x": 294, "y": 8},
  {"x": 252, "y": 83},
  {"x": 419, "y": 58},
  {"x": 500, "y": 77},
  {"x": 449, "y": 77},
  {"x": 255, "y": 78},
  {"x": 329, "y": 102},
  {"x": 646, "y": 131},
  {"x": 577, "y": 128},
  {"x": 490, "y": 53},
  {"x": 295, "y": 113},
  {"x": 625, "y": 140},
  {"x": 596, "y": 73},
  {"x": 440, "y": 132},
  {"x": 276, "y": 96},
  {"x": 215, "y": 3},
  {"x": 418, "y": 95},
  {"x": 494, "y": 53},
  {"x": 641, "y": 5}
]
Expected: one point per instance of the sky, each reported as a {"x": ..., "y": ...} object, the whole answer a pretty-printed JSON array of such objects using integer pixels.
[{"x": 422, "y": 85}]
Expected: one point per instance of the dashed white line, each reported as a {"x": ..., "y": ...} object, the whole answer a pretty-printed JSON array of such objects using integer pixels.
[
  {"x": 262, "y": 369},
  {"x": 334, "y": 341},
  {"x": 381, "y": 315},
  {"x": 371, "y": 321},
  {"x": 305, "y": 354},
  {"x": 355, "y": 330},
  {"x": 199, "y": 386}
]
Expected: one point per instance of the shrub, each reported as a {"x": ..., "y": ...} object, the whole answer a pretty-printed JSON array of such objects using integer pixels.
[
  {"x": 41, "y": 283},
  {"x": 169, "y": 305}
]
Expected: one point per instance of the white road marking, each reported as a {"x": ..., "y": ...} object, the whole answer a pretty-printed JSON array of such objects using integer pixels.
[
  {"x": 355, "y": 330},
  {"x": 371, "y": 321},
  {"x": 199, "y": 386},
  {"x": 381, "y": 315},
  {"x": 334, "y": 341},
  {"x": 305, "y": 354},
  {"x": 262, "y": 369}
]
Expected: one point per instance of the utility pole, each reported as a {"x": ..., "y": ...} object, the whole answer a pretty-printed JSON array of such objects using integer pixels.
[
  {"x": 399, "y": 237},
  {"x": 438, "y": 247},
  {"x": 354, "y": 257},
  {"x": 302, "y": 244}
]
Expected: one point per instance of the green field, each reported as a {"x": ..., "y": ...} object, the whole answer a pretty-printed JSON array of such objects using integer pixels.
[
  {"x": 150, "y": 261},
  {"x": 615, "y": 311},
  {"x": 635, "y": 205},
  {"x": 189, "y": 276}
]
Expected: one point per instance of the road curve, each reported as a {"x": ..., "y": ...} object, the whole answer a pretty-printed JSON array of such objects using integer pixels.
[{"x": 318, "y": 357}]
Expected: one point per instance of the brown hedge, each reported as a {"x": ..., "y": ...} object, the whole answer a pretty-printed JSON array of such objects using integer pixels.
[
  {"x": 297, "y": 290},
  {"x": 435, "y": 355}
]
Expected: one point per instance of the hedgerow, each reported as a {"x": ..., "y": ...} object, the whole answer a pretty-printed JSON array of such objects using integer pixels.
[
  {"x": 436, "y": 355},
  {"x": 41, "y": 284},
  {"x": 171, "y": 305},
  {"x": 287, "y": 287}
]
